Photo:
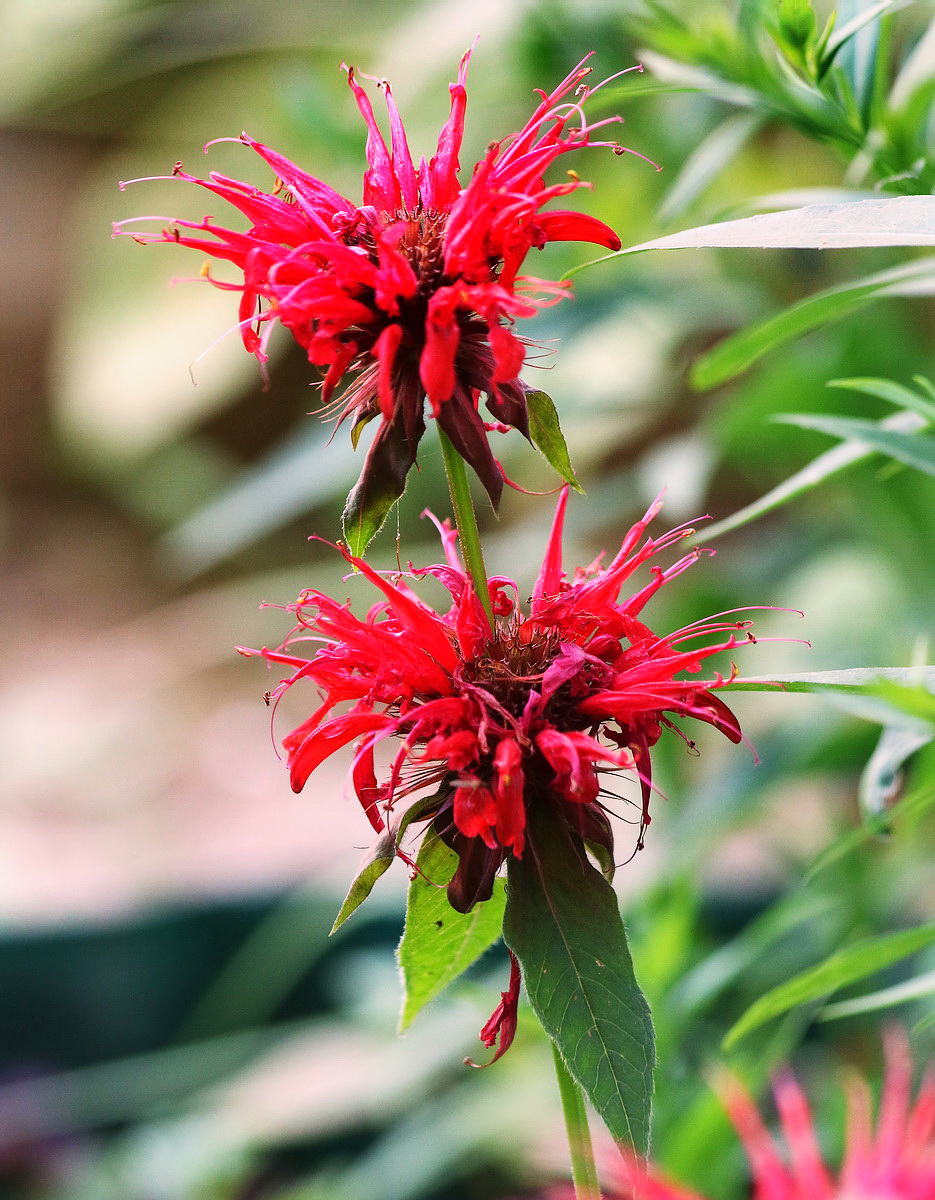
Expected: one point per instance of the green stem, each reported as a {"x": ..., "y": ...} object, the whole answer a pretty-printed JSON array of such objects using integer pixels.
[
  {"x": 583, "y": 1170},
  {"x": 466, "y": 521}
]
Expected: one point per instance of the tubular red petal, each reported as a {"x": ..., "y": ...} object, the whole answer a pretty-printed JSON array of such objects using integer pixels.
[
  {"x": 441, "y": 175},
  {"x": 385, "y": 351},
  {"x": 550, "y": 575},
  {"x": 318, "y": 745},
  {"x": 402, "y": 159},
  {"x": 381, "y": 187},
  {"x": 502, "y": 1021},
  {"x": 561, "y": 226}
]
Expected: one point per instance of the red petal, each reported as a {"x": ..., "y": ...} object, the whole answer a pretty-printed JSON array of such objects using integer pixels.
[
  {"x": 502, "y": 1023},
  {"x": 551, "y": 574},
  {"x": 560, "y": 225},
  {"x": 318, "y": 745}
]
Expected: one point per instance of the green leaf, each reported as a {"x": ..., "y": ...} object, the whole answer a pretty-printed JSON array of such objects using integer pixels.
[
  {"x": 735, "y": 354},
  {"x": 303, "y": 471},
  {"x": 358, "y": 428},
  {"x": 563, "y": 924},
  {"x": 797, "y": 22},
  {"x": 825, "y": 466},
  {"x": 438, "y": 942},
  {"x": 845, "y": 32},
  {"x": 706, "y": 162},
  {"x": 894, "y": 221},
  {"x": 381, "y": 854},
  {"x": 548, "y": 438},
  {"x": 843, "y": 967},
  {"x": 881, "y": 780},
  {"x": 376, "y": 861},
  {"x": 900, "y": 993},
  {"x": 382, "y": 481},
  {"x": 861, "y": 679},
  {"x": 892, "y": 392},
  {"x": 918, "y": 801},
  {"x": 913, "y": 449}
]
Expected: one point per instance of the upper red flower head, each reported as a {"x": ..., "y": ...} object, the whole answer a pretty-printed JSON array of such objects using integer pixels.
[
  {"x": 413, "y": 291},
  {"x": 531, "y": 712}
]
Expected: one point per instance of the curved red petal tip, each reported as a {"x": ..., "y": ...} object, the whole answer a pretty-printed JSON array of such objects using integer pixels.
[{"x": 502, "y": 1023}]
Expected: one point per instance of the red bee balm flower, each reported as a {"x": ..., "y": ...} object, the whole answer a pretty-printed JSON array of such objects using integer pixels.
[
  {"x": 531, "y": 712},
  {"x": 414, "y": 291}
]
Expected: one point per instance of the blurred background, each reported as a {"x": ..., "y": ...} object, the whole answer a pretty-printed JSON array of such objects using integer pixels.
[{"x": 174, "y": 1021}]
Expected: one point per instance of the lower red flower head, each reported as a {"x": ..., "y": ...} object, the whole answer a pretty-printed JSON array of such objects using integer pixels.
[{"x": 534, "y": 711}]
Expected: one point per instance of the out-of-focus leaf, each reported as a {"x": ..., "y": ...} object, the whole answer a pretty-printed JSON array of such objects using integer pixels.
[
  {"x": 798, "y": 197},
  {"x": 916, "y": 702},
  {"x": 918, "y": 801},
  {"x": 841, "y": 968},
  {"x": 611, "y": 99},
  {"x": 913, "y": 449},
  {"x": 900, "y": 993},
  {"x": 882, "y": 778},
  {"x": 895, "y": 393},
  {"x": 741, "y": 350},
  {"x": 693, "y": 78},
  {"x": 844, "y": 32},
  {"x": 869, "y": 706},
  {"x": 853, "y": 679},
  {"x": 706, "y": 981},
  {"x": 707, "y": 161},
  {"x": 894, "y": 221},
  {"x": 563, "y": 924},
  {"x": 797, "y": 22},
  {"x": 548, "y": 438},
  {"x": 306, "y": 470},
  {"x": 827, "y": 465},
  {"x": 440, "y": 943},
  {"x": 916, "y": 71}
]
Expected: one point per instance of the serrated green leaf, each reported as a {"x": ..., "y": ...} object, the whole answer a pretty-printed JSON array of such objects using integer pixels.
[
  {"x": 843, "y": 967},
  {"x": 913, "y": 449},
  {"x": 563, "y": 924},
  {"x": 825, "y": 466},
  {"x": 547, "y": 436},
  {"x": 438, "y": 942},
  {"x": 376, "y": 861},
  {"x": 735, "y": 354}
]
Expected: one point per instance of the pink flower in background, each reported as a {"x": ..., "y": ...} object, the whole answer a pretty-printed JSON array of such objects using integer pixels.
[
  {"x": 413, "y": 292},
  {"x": 536, "y": 711},
  {"x": 894, "y": 1161}
]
